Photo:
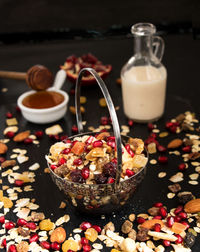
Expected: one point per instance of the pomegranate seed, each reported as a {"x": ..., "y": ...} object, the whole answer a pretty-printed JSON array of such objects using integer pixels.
[
  {"x": 111, "y": 180},
  {"x": 85, "y": 225},
  {"x": 153, "y": 135},
  {"x": 157, "y": 227},
  {"x": 62, "y": 161},
  {"x": 53, "y": 167},
  {"x": 130, "y": 123},
  {"x": 177, "y": 219},
  {"x": 12, "y": 248},
  {"x": 111, "y": 143},
  {"x": 31, "y": 225},
  {"x": 166, "y": 243},
  {"x": 150, "y": 126},
  {"x": 2, "y": 159},
  {"x": 9, "y": 225},
  {"x": 9, "y": 115},
  {"x": 140, "y": 220},
  {"x": 66, "y": 151},
  {"x": 2, "y": 219},
  {"x": 68, "y": 141},
  {"x": 3, "y": 243},
  {"x": 39, "y": 134},
  {"x": 63, "y": 138},
  {"x": 157, "y": 217},
  {"x": 55, "y": 137},
  {"x": 186, "y": 224},
  {"x": 179, "y": 240},
  {"x": 111, "y": 138},
  {"x": 182, "y": 167},
  {"x": 128, "y": 148},
  {"x": 173, "y": 129},
  {"x": 86, "y": 248},
  {"x": 163, "y": 212},
  {"x": 85, "y": 172},
  {"x": 103, "y": 130},
  {"x": 162, "y": 159},
  {"x": 10, "y": 134},
  {"x": 182, "y": 215},
  {"x": 178, "y": 210},
  {"x": 104, "y": 120},
  {"x": 187, "y": 148},
  {"x": 84, "y": 241},
  {"x": 45, "y": 245},
  {"x": 19, "y": 182},
  {"x": 170, "y": 221},
  {"x": 73, "y": 143},
  {"x": 114, "y": 160},
  {"x": 97, "y": 228},
  {"x": 34, "y": 238},
  {"x": 21, "y": 222},
  {"x": 55, "y": 246},
  {"x": 168, "y": 125},
  {"x": 77, "y": 162},
  {"x": 158, "y": 204},
  {"x": 176, "y": 123},
  {"x": 129, "y": 173},
  {"x": 28, "y": 141},
  {"x": 89, "y": 140},
  {"x": 74, "y": 129},
  {"x": 98, "y": 143},
  {"x": 18, "y": 109},
  {"x": 161, "y": 148}
]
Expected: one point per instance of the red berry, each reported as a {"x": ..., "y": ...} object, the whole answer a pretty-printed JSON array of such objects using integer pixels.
[
  {"x": 157, "y": 227},
  {"x": 3, "y": 243},
  {"x": 177, "y": 219},
  {"x": 130, "y": 123},
  {"x": 10, "y": 134},
  {"x": 21, "y": 222},
  {"x": 157, "y": 217},
  {"x": 19, "y": 182},
  {"x": 153, "y": 135},
  {"x": 39, "y": 134},
  {"x": 166, "y": 243},
  {"x": 84, "y": 241},
  {"x": 182, "y": 167},
  {"x": 179, "y": 240},
  {"x": 9, "y": 225},
  {"x": 114, "y": 160},
  {"x": 168, "y": 125},
  {"x": 129, "y": 173},
  {"x": 28, "y": 140},
  {"x": 89, "y": 140},
  {"x": 85, "y": 172},
  {"x": 74, "y": 129},
  {"x": 158, "y": 204},
  {"x": 63, "y": 138},
  {"x": 161, "y": 148},
  {"x": 111, "y": 180},
  {"x": 34, "y": 238},
  {"x": 187, "y": 148},
  {"x": 55, "y": 246},
  {"x": 170, "y": 221},
  {"x": 86, "y": 248},
  {"x": 186, "y": 224},
  {"x": 31, "y": 225},
  {"x": 98, "y": 143},
  {"x": 66, "y": 151},
  {"x": 12, "y": 248},
  {"x": 9, "y": 115},
  {"x": 2, "y": 159},
  {"x": 97, "y": 228},
  {"x": 178, "y": 210},
  {"x": 53, "y": 167},
  {"x": 128, "y": 148},
  {"x": 77, "y": 162},
  {"x": 173, "y": 129},
  {"x": 150, "y": 126},
  {"x": 104, "y": 120},
  {"x": 162, "y": 159},
  {"x": 182, "y": 215},
  {"x": 111, "y": 138},
  {"x": 62, "y": 161},
  {"x": 2, "y": 219},
  {"x": 85, "y": 225},
  {"x": 163, "y": 212},
  {"x": 111, "y": 143},
  {"x": 55, "y": 137},
  {"x": 45, "y": 245},
  {"x": 140, "y": 220}
]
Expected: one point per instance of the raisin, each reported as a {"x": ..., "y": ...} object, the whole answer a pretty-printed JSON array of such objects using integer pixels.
[
  {"x": 109, "y": 169},
  {"x": 100, "y": 179},
  {"x": 189, "y": 240},
  {"x": 142, "y": 235},
  {"x": 185, "y": 197},
  {"x": 76, "y": 176}
]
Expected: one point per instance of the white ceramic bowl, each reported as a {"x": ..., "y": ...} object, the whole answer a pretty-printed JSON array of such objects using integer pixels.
[{"x": 47, "y": 115}]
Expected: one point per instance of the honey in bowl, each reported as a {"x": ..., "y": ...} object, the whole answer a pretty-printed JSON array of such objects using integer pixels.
[{"x": 43, "y": 100}]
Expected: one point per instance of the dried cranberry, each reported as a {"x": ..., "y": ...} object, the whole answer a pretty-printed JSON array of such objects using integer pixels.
[
  {"x": 78, "y": 162},
  {"x": 162, "y": 159},
  {"x": 76, "y": 176},
  {"x": 170, "y": 221},
  {"x": 187, "y": 149},
  {"x": 55, "y": 246},
  {"x": 34, "y": 238},
  {"x": 9, "y": 225},
  {"x": 87, "y": 248},
  {"x": 163, "y": 212},
  {"x": 109, "y": 169},
  {"x": 166, "y": 243},
  {"x": 111, "y": 180},
  {"x": 85, "y": 172},
  {"x": 45, "y": 245},
  {"x": 66, "y": 151},
  {"x": 98, "y": 143},
  {"x": 28, "y": 140},
  {"x": 74, "y": 129},
  {"x": 3, "y": 243},
  {"x": 85, "y": 225},
  {"x": 84, "y": 241},
  {"x": 2, "y": 219},
  {"x": 39, "y": 134},
  {"x": 179, "y": 240},
  {"x": 10, "y": 134},
  {"x": 21, "y": 222},
  {"x": 182, "y": 167},
  {"x": 53, "y": 167},
  {"x": 9, "y": 115},
  {"x": 62, "y": 161},
  {"x": 19, "y": 182},
  {"x": 157, "y": 227},
  {"x": 161, "y": 148},
  {"x": 104, "y": 120},
  {"x": 130, "y": 123},
  {"x": 12, "y": 248},
  {"x": 100, "y": 179},
  {"x": 97, "y": 228},
  {"x": 129, "y": 173}
]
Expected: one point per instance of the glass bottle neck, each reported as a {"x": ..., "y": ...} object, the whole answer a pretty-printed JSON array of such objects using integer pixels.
[{"x": 143, "y": 46}]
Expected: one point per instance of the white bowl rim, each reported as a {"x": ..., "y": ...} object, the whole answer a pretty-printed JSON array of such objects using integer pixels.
[{"x": 41, "y": 111}]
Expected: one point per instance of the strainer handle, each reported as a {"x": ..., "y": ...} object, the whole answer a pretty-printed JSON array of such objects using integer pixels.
[{"x": 112, "y": 112}]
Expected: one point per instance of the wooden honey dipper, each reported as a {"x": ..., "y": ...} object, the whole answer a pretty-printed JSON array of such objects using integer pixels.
[{"x": 38, "y": 77}]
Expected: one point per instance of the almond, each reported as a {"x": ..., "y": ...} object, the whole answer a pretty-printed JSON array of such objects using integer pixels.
[
  {"x": 175, "y": 143},
  {"x": 21, "y": 136},
  {"x": 150, "y": 223},
  {"x": 193, "y": 206},
  {"x": 58, "y": 235},
  {"x": 8, "y": 163},
  {"x": 3, "y": 148}
]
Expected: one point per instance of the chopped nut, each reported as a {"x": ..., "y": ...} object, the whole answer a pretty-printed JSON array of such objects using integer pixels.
[
  {"x": 128, "y": 245},
  {"x": 23, "y": 231},
  {"x": 132, "y": 234},
  {"x": 8, "y": 163},
  {"x": 142, "y": 234},
  {"x": 37, "y": 216},
  {"x": 153, "y": 211},
  {"x": 62, "y": 205},
  {"x": 126, "y": 227},
  {"x": 23, "y": 246},
  {"x": 174, "y": 188},
  {"x": 131, "y": 217}
]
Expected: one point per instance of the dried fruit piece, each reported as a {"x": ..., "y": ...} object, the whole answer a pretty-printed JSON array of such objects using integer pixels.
[
  {"x": 78, "y": 148},
  {"x": 46, "y": 225},
  {"x": 8, "y": 163},
  {"x": 3, "y": 148},
  {"x": 91, "y": 234},
  {"x": 142, "y": 234},
  {"x": 21, "y": 136},
  {"x": 7, "y": 202},
  {"x": 58, "y": 235},
  {"x": 127, "y": 227},
  {"x": 184, "y": 197},
  {"x": 102, "y": 102},
  {"x": 189, "y": 239},
  {"x": 176, "y": 143},
  {"x": 193, "y": 206},
  {"x": 69, "y": 244}
]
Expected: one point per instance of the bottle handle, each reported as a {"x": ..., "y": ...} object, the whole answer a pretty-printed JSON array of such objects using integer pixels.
[{"x": 159, "y": 47}]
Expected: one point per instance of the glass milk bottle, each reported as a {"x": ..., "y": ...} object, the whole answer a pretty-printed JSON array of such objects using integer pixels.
[{"x": 144, "y": 76}]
